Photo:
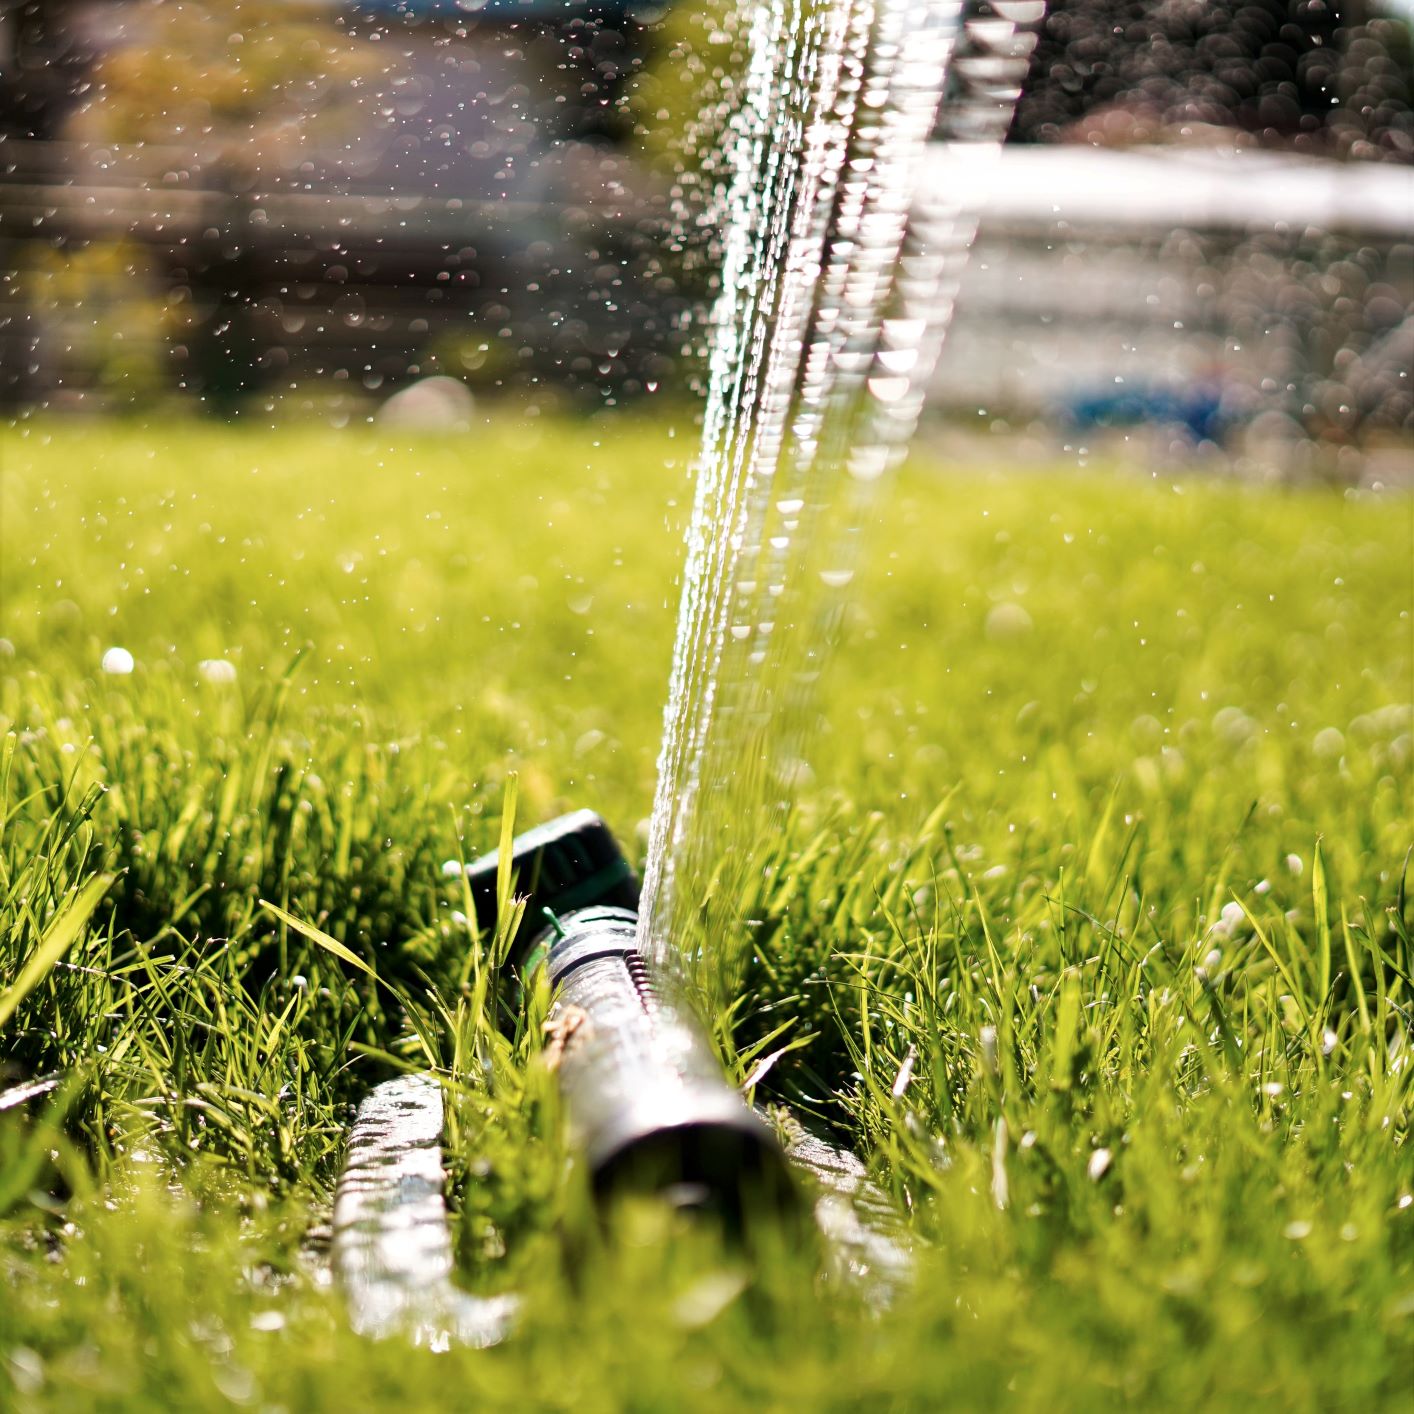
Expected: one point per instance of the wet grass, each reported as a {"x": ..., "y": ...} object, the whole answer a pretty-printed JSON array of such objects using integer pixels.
[{"x": 1092, "y": 931}]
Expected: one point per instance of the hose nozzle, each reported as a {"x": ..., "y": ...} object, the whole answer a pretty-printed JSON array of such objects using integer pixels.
[{"x": 648, "y": 1105}]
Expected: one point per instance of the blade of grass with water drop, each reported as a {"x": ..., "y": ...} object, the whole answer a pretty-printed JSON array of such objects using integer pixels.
[{"x": 347, "y": 955}]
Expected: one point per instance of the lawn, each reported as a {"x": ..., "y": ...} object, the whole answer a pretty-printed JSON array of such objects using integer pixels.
[{"x": 1108, "y": 831}]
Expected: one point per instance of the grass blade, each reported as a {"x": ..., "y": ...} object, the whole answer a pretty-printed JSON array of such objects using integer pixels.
[
  {"x": 318, "y": 935},
  {"x": 65, "y": 926}
]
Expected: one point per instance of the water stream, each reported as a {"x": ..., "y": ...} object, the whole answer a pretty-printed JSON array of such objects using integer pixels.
[{"x": 847, "y": 217}]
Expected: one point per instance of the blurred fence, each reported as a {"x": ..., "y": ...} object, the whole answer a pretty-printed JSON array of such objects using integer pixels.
[
  {"x": 1237, "y": 297},
  {"x": 131, "y": 283},
  {"x": 1254, "y": 300}
]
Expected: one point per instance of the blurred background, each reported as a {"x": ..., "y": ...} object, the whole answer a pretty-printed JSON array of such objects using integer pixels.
[{"x": 1196, "y": 242}]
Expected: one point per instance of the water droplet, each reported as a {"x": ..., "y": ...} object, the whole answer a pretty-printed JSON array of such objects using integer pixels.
[
  {"x": 889, "y": 390},
  {"x": 216, "y": 670},
  {"x": 869, "y": 463},
  {"x": 1008, "y": 621},
  {"x": 901, "y": 333},
  {"x": 898, "y": 360}
]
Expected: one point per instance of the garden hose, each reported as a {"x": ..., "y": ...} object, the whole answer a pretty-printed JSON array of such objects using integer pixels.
[{"x": 648, "y": 1105}]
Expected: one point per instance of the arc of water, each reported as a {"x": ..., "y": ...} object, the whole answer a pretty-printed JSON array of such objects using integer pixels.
[
  {"x": 838, "y": 104},
  {"x": 786, "y": 108}
]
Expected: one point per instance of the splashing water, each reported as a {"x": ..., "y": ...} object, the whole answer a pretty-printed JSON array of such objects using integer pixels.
[{"x": 845, "y": 230}]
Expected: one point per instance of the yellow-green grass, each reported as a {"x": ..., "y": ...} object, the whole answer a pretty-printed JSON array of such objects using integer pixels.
[{"x": 1084, "y": 735}]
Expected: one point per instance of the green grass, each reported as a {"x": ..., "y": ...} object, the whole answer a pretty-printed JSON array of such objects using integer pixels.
[{"x": 1124, "y": 872}]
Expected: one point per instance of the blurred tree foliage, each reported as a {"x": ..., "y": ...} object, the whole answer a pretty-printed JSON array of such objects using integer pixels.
[
  {"x": 681, "y": 102},
  {"x": 1328, "y": 77},
  {"x": 106, "y": 323},
  {"x": 245, "y": 82},
  {"x": 680, "y": 98}
]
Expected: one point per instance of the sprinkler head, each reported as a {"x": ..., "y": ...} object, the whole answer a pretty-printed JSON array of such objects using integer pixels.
[
  {"x": 566, "y": 864},
  {"x": 648, "y": 1106}
]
